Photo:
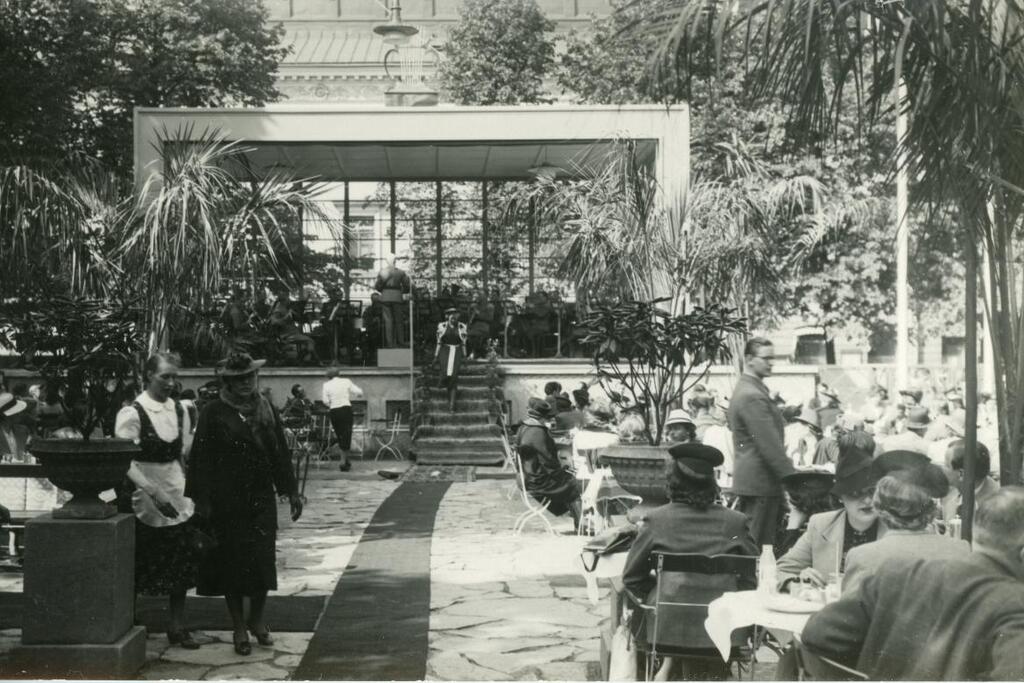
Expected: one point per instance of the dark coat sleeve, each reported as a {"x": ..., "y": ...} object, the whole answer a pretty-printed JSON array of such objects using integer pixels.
[
  {"x": 762, "y": 426},
  {"x": 636, "y": 573},
  {"x": 199, "y": 477},
  {"x": 838, "y": 631},
  {"x": 281, "y": 463}
]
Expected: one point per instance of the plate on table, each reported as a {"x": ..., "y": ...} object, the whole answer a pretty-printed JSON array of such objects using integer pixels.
[{"x": 787, "y": 603}]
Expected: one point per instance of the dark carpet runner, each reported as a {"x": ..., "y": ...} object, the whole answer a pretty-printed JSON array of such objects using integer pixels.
[{"x": 375, "y": 626}]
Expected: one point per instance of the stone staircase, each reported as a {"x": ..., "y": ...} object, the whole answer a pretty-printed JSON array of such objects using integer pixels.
[{"x": 466, "y": 436}]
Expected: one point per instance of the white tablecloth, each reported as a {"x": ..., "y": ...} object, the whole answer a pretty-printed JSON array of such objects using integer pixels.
[
  {"x": 586, "y": 440},
  {"x": 747, "y": 608}
]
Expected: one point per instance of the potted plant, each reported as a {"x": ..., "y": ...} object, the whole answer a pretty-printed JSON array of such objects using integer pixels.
[
  {"x": 88, "y": 348},
  {"x": 646, "y": 358}
]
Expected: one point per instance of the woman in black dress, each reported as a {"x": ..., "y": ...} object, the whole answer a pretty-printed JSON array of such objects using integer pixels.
[
  {"x": 239, "y": 458},
  {"x": 451, "y": 340},
  {"x": 545, "y": 477}
]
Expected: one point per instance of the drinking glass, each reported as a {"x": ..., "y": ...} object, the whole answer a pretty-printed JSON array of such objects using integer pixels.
[{"x": 834, "y": 588}]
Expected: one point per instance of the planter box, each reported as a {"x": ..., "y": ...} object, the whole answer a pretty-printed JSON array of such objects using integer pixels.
[{"x": 640, "y": 469}]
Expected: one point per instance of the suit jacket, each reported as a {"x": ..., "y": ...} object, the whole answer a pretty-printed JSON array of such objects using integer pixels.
[
  {"x": 819, "y": 547},
  {"x": 928, "y": 620},
  {"x": 757, "y": 427},
  {"x": 864, "y": 560},
  {"x": 682, "y": 528}
]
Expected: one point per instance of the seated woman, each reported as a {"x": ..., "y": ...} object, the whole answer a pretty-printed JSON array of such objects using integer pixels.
[
  {"x": 679, "y": 428},
  {"x": 546, "y": 479},
  {"x": 821, "y": 551},
  {"x": 691, "y": 523},
  {"x": 906, "y": 501},
  {"x": 808, "y": 493}
]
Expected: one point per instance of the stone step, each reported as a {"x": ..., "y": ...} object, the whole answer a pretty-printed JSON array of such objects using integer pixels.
[
  {"x": 471, "y": 369},
  {"x": 472, "y": 381},
  {"x": 438, "y": 407},
  {"x": 461, "y": 418},
  {"x": 467, "y": 443},
  {"x": 460, "y": 458},
  {"x": 457, "y": 431},
  {"x": 460, "y": 392}
]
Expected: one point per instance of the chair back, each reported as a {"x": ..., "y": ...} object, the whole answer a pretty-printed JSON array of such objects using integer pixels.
[
  {"x": 703, "y": 579},
  {"x": 512, "y": 454},
  {"x": 815, "y": 667}
]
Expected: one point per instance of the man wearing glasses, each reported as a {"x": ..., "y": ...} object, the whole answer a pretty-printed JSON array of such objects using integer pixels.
[{"x": 757, "y": 427}]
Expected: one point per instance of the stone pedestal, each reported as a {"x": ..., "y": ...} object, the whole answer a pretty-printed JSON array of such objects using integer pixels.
[
  {"x": 394, "y": 358},
  {"x": 80, "y": 599}
]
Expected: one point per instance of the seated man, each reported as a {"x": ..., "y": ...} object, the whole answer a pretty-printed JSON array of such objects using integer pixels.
[
  {"x": 984, "y": 485},
  {"x": 297, "y": 408},
  {"x": 937, "y": 619}
]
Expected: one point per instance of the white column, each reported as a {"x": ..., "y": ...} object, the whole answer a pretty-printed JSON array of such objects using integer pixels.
[{"x": 902, "y": 239}]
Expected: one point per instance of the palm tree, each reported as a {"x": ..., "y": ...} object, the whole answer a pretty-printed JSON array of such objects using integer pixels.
[{"x": 962, "y": 65}]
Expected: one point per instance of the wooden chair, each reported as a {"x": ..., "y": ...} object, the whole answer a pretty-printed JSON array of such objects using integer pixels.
[
  {"x": 652, "y": 644},
  {"x": 534, "y": 509}
]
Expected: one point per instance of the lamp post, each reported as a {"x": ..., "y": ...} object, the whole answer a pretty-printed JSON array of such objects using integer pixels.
[{"x": 394, "y": 32}]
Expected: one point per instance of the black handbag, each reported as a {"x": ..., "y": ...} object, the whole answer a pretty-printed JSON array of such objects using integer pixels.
[{"x": 617, "y": 540}]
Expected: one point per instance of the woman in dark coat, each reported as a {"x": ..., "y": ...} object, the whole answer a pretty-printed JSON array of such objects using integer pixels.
[
  {"x": 546, "y": 479},
  {"x": 239, "y": 457},
  {"x": 691, "y": 523}
]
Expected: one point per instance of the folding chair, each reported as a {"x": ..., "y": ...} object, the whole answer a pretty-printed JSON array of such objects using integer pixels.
[
  {"x": 300, "y": 459},
  {"x": 510, "y": 464},
  {"x": 736, "y": 571},
  {"x": 815, "y": 667},
  {"x": 318, "y": 436},
  {"x": 534, "y": 509},
  {"x": 601, "y": 491},
  {"x": 387, "y": 442}
]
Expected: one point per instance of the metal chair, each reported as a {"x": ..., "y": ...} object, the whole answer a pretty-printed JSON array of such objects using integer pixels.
[
  {"x": 742, "y": 569},
  {"x": 534, "y": 509},
  {"x": 815, "y": 667},
  {"x": 387, "y": 446}
]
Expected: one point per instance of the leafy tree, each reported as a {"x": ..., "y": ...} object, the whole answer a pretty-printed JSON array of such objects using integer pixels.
[
  {"x": 499, "y": 53},
  {"x": 71, "y": 71}
]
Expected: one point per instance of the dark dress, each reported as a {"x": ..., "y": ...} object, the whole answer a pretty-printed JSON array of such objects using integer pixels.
[
  {"x": 234, "y": 475},
  {"x": 546, "y": 479},
  {"x": 166, "y": 560},
  {"x": 451, "y": 339}
]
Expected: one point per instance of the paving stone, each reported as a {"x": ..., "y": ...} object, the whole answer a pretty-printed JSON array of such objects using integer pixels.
[
  {"x": 530, "y": 589},
  {"x": 578, "y": 593},
  {"x": 548, "y": 610},
  {"x": 444, "y": 622},
  {"x": 451, "y": 666},
  {"x": 259, "y": 671},
  {"x": 499, "y": 645},
  {"x": 565, "y": 671},
  {"x": 290, "y": 662},
  {"x": 291, "y": 643},
  {"x": 157, "y": 671},
  {"x": 513, "y": 629},
  {"x": 508, "y": 663},
  {"x": 215, "y": 654}
]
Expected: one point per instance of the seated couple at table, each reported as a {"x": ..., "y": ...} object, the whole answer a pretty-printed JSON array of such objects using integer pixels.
[
  {"x": 917, "y": 618},
  {"x": 692, "y": 522}
]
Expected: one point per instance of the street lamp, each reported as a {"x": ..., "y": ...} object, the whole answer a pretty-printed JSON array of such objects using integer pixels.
[{"x": 394, "y": 32}]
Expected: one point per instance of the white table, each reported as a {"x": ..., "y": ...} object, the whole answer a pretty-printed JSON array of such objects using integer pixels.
[{"x": 741, "y": 609}]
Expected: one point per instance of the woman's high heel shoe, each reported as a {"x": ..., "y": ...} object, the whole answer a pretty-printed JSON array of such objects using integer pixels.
[
  {"x": 264, "y": 639},
  {"x": 243, "y": 647}
]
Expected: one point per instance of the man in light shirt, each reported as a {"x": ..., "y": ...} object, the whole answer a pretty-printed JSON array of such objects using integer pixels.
[{"x": 338, "y": 393}]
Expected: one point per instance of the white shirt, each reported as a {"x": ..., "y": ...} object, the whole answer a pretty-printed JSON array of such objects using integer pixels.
[
  {"x": 339, "y": 392},
  {"x": 157, "y": 482}
]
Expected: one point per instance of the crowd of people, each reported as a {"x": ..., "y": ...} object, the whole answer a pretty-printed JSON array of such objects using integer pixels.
[{"x": 864, "y": 506}]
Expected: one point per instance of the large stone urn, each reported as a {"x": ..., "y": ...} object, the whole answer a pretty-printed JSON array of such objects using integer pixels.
[
  {"x": 85, "y": 469},
  {"x": 640, "y": 469}
]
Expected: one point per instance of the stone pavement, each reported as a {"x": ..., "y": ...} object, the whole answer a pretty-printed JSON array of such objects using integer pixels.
[{"x": 502, "y": 607}]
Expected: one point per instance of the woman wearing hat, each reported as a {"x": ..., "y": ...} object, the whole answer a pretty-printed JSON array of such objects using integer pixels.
[
  {"x": 821, "y": 551},
  {"x": 693, "y": 522},
  {"x": 451, "y": 339},
  {"x": 679, "y": 428},
  {"x": 808, "y": 493},
  {"x": 546, "y": 479},
  {"x": 906, "y": 502},
  {"x": 166, "y": 561},
  {"x": 238, "y": 460},
  {"x": 13, "y": 435}
]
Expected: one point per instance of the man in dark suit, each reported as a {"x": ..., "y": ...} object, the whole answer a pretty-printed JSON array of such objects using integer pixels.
[
  {"x": 761, "y": 461},
  {"x": 938, "y": 619}
]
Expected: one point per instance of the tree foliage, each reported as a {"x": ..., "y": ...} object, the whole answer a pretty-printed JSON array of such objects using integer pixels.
[
  {"x": 498, "y": 53},
  {"x": 71, "y": 71}
]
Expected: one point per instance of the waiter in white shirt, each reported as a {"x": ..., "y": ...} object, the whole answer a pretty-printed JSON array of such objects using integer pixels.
[{"x": 337, "y": 396}]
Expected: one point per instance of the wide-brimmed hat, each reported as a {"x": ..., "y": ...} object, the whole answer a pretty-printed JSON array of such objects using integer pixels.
[
  {"x": 563, "y": 402},
  {"x": 238, "y": 364},
  {"x": 678, "y": 416},
  {"x": 538, "y": 409},
  {"x": 853, "y": 472},
  {"x": 915, "y": 393},
  {"x": 695, "y": 460},
  {"x": 809, "y": 482},
  {"x": 10, "y": 406},
  {"x": 918, "y": 418},
  {"x": 808, "y": 416},
  {"x": 891, "y": 461}
]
